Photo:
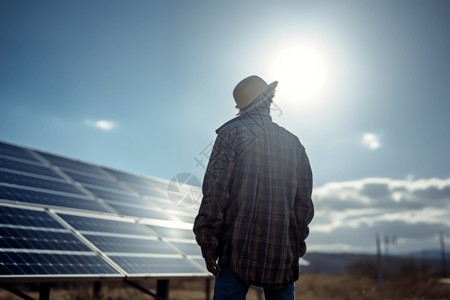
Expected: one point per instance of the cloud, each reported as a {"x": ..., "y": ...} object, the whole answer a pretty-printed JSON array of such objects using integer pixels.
[
  {"x": 371, "y": 141},
  {"x": 349, "y": 214},
  {"x": 101, "y": 124}
]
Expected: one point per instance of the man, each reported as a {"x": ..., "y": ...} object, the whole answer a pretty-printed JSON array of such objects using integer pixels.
[{"x": 256, "y": 203}]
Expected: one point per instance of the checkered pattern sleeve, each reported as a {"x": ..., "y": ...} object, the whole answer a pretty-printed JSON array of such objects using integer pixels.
[{"x": 216, "y": 195}]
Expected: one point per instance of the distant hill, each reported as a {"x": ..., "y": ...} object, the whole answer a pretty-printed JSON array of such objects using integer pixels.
[
  {"x": 333, "y": 263},
  {"x": 428, "y": 254}
]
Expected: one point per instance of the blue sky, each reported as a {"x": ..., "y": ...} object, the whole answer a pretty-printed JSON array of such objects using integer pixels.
[{"x": 142, "y": 85}]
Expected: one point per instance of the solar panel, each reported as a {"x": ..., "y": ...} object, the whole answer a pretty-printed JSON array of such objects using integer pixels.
[
  {"x": 142, "y": 185},
  {"x": 37, "y": 182},
  {"x": 125, "y": 242},
  {"x": 115, "y": 244},
  {"x": 126, "y": 177},
  {"x": 32, "y": 242},
  {"x": 28, "y": 167},
  {"x": 175, "y": 233},
  {"x": 161, "y": 266},
  {"x": 188, "y": 248},
  {"x": 139, "y": 211},
  {"x": 70, "y": 164},
  {"x": 91, "y": 224},
  {"x": 39, "y": 239},
  {"x": 93, "y": 181},
  {"x": 23, "y": 263},
  {"x": 48, "y": 198},
  {"x": 120, "y": 196},
  {"x": 13, "y": 216},
  {"x": 146, "y": 190},
  {"x": 60, "y": 216},
  {"x": 185, "y": 218},
  {"x": 15, "y": 152}
]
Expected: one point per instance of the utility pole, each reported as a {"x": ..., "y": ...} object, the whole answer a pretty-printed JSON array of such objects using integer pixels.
[
  {"x": 388, "y": 240},
  {"x": 379, "y": 263},
  {"x": 443, "y": 255}
]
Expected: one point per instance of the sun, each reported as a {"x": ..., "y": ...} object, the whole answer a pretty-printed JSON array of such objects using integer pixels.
[{"x": 302, "y": 72}]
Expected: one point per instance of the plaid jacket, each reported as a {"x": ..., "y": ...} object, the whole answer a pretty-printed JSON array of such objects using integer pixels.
[{"x": 256, "y": 203}]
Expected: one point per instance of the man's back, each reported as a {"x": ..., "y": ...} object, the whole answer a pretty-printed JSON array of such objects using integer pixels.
[{"x": 257, "y": 162}]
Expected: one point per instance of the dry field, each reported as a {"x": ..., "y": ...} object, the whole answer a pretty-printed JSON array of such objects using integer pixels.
[{"x": 309, "y": 287}]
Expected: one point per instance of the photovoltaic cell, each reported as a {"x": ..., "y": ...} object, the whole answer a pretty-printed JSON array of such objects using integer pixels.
[
  {"x": 126, "y": 177},
  {"x": 129, "y": 245},
  {"x": 27, "y": 217},
  {"x": 19, "y": 263},
  {"x": 142, "y": 185},
  {"x": 104, "y": 225},
  {"x": 156, "y": 265},
  {"x": 18, "y": 238},
  {"x": 95, "y": 181},
  {"x": 177, "y": 233},
  {"x": 33, "y": 242},
  {"x": 47, "y": 198},
  {"x": 16, "y": 152},
  {"x": 31, "y": 181},
  {"x": 121, "y": 196},
  {"x": 139, "y": 212},
  {"x": 201, "y": 262},
  {"x": 186, "y": 219},
  {"x": 147, "y": 190},
  {"x": 31, "y": 229},
  {"x": 71, "y": 164},
  {"x": 164, "y": 203},
  {"x": 28, "y": 168},
  {"x": 188, "y": 248}
]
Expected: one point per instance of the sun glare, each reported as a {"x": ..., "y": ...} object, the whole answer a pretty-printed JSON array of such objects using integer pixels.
[{"x": 302, "y": 73}]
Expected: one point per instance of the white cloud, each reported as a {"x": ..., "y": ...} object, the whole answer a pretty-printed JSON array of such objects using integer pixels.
[
  {"x": 101, "y": 124},
  {"x": 371, "y": 141},
  {"x": 348, "y": 214}
]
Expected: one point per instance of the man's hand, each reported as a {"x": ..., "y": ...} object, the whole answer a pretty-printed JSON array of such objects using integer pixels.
[{"x": 212, "y": 266}]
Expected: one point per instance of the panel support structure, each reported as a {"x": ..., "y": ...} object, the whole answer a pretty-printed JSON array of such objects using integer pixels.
[
  {"x": 162, "y": 288},
  {"x": 44, "y": 291},
  {"x": 16, "y": 292},
  {"x": 162, "y": 291},
  {"x": 96, "y": 291}
]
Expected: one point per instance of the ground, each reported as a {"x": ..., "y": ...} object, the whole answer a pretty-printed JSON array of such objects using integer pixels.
[{"x": 309, "y": 287}]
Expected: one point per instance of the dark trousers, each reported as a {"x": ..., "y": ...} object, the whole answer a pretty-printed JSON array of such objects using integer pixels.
[{"x": 229, "y": 287}]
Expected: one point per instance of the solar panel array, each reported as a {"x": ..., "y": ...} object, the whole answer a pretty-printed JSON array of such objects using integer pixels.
[{"x": 61, "y": 217}]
